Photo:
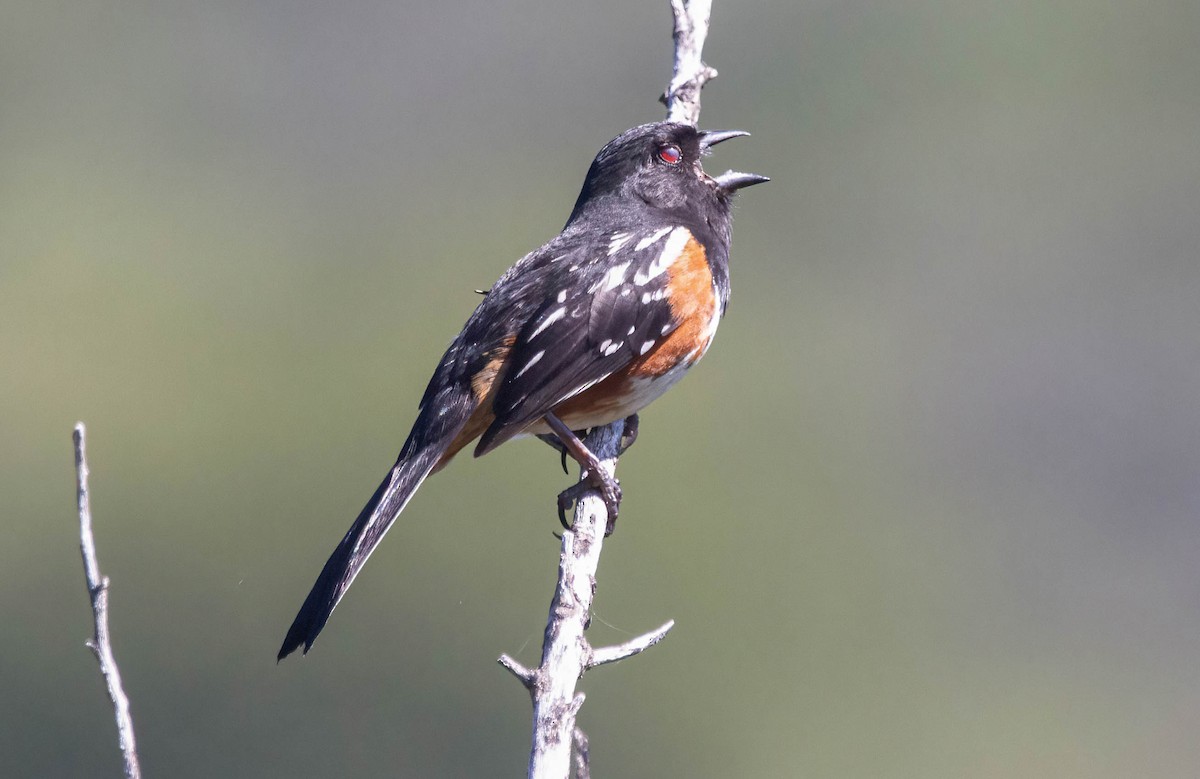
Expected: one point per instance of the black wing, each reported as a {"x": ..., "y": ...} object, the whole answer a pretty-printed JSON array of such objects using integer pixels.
[{"x": 607, "y": 306}]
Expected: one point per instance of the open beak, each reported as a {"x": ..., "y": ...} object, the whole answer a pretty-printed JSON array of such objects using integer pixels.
[
  {"x": 729, "y": 181},
  {"x": 713, "y": 137}
]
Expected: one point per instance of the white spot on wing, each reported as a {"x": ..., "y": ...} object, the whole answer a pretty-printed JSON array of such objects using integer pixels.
[
  {"x": 608, "y": 348},
  {"x": 675, "y": 243},
  {"x": 646, "y": 347},
  {"x": 555, "y": 315},
  {"x": 532, "y": 362},
  {"x": 562, "y": 296},
  {"x": 652, "y": 238},
  {"x": 617, "y": 241},
  {"x": 615, "y": 276}
]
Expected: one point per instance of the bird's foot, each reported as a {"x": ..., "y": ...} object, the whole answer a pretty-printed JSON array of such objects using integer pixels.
[
  {"x": 594, "y": 476},
  {"x": 610, "y": 493}
]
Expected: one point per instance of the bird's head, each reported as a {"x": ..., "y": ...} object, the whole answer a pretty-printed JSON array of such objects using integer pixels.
[{"x": 659, "y": 165}]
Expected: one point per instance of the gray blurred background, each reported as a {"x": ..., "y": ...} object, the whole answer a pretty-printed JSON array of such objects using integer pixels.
[{"x": 929, "y": 508}]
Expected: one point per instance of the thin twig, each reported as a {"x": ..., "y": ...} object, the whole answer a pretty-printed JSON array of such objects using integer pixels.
[
  {"x": 525, "y": 676},
  {"x": 101, "y": 643},
  {"x": 611, "y": 654}
]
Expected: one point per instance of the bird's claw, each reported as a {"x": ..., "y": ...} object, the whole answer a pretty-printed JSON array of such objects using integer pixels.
[
  {"x": 555, "y": 443},
  {"x": 610, "y": 493},
  {"x": 566, "y": 499}
]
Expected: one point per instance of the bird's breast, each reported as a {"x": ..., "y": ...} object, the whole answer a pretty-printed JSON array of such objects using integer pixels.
[{"x": 660, "y": 362}]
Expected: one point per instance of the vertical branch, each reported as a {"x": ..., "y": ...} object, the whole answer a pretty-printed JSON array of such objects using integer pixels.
[
  {"x": 691, "y": 74},
  {"x": 566, "y": 652},
  {"x": 100, "y": 643}
]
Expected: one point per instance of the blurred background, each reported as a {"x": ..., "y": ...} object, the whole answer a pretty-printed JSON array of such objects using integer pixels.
[{"x": 929, "y": 508}]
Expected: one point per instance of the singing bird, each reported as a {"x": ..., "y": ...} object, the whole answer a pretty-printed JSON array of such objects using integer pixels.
[{"x": 584, "y": 331}]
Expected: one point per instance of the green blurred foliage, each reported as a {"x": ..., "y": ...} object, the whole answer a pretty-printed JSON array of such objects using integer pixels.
[{"x": 929, "y": 508}]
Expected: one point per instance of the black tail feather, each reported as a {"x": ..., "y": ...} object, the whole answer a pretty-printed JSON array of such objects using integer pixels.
[
  {"x": 356, "y": 546},
  {"x": 444, "y": 411}
]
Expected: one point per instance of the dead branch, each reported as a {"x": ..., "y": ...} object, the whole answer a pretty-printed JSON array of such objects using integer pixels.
[{"x": 101, "y": 641}]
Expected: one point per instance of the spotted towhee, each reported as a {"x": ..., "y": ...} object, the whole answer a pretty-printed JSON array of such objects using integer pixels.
[{"x": 586, "y": 330}]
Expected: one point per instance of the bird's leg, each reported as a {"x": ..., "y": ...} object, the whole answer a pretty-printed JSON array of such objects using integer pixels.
[{"x": 593, "y": 476}]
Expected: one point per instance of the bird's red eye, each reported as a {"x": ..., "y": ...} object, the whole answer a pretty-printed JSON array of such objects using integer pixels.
[{"x": 670, "y": 154}]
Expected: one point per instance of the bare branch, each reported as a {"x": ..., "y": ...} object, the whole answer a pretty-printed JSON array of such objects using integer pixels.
[
  {"x": 691, "y": 74},
  {"x": 100, "y": 643},
  {"x": 565, "y": 651},
  {"x": 611, "y": 654},
  {"x": 525, "y": 676}
]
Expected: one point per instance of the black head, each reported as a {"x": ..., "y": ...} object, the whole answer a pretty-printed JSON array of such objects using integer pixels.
[{"x": 658, "y": 165}]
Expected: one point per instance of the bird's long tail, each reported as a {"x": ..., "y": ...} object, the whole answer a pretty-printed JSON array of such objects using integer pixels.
[{"x": 435, "y": 430}]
